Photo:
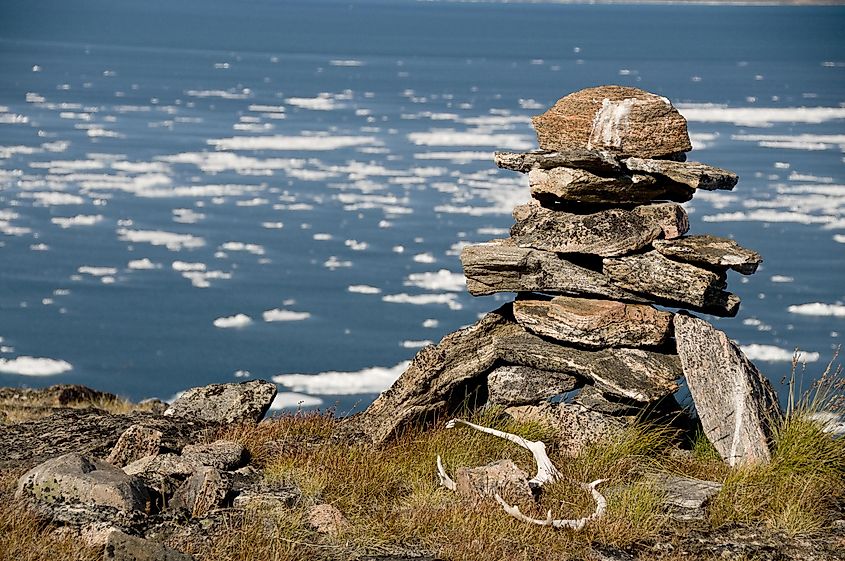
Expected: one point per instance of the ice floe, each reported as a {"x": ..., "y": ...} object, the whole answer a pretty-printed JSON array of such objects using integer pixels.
[
  {"x": 143, "y": 264},
  {"x": 79, "y": 220},
  {"x": 365, "y": 381},
  {"x": 363, "y": 289},
  {"x": 439, "y": 280},
  {"x": 278, "y": 314},
  {"x": 292, "y": 400},
  {"x": 771, "y": 353},
  {"x": 170, "y": 240},
  {"x": 450, "y": 299},
  {"x": 33, "y": 366},
  {"x": 235, "y": 321},
  {"x": 758, "y": 116},
  {"x": 818, "y": 309}
]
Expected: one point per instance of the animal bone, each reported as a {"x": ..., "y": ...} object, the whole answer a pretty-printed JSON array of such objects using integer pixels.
[
  {"x": 573, "y": 524},
  {"x": 546, "y": 472}
]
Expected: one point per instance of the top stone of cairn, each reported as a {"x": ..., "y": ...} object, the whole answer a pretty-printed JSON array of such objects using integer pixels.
[{"x": 621, "y": 120}]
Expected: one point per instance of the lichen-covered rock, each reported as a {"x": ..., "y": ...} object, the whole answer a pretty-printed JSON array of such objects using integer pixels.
[
  {"x": 519, "y": 385},
  {"x": 622, "y": 120},
  {"x": 136, "y": 442},
  {"x": 327, "y": 519},
  {"x": 75, "y": 478},
  {"x": 123, "y": 547},
  {"x": 606, "y": 233},
  {"x": 225, "y": 403},
  {"x": 574, "y": 425},
  {"x": 594, "y": 161},
  {"x": 221, "y": 454},
  {"x": 204, "y": 491},
  {"x": 737, "y": 406},
  {"x": 572, "y": 185},
  {"x": 501, "y": 478},
  {"x": 594, "y": 323},
  {"x": 710, "y": 251}
]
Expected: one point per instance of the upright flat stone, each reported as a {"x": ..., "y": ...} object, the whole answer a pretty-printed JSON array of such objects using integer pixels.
[
  {"x": 597, "y": 162},
  {"x": 427, "y": 388},
  {"x": 580, "y": 186},
  {"x": 671, "y": 282},
  {"x": 737, "y": 406},
  {"x": 622, "y": 120},
  {"x": 225, "y": 403},
  {"x": 499, "y": 266},
  {"x": 631, "y": 373},
  {"x": 607, "y": 233},
  {"x": 520, "y": 385},
  {"x": 710, "y": 251},
  {"x": 594, "y": 323},
  {"x": 692, "y": 174},
  {"x": 671, "y": 218}
]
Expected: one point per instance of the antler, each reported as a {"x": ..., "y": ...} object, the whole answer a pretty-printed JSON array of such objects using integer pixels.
[
  {"x": 546, "y": 471},
  {"x": 444, "y": 478},
  {"x": 573, "y": 524}
]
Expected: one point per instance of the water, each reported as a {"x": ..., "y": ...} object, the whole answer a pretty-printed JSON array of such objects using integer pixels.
[{"x": 136, "y": 210}]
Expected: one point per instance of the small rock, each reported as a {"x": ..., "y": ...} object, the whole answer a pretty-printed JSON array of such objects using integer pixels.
[
  {"x": 576, "y": 426},
  {"x": 710, "y": 251},
  {"x": 221, "y": 454},
  {"x": 594, "y": 323},
  {"x": 736, "y": 404},
  {"x": 327, "y": 519},
  {"x": 135, "y": 443},
  {"x": 521, "y": 385},
  {"x": 161, "y": 465},
  {"x": 686, "y": 493},
  {"x": 606, "y": 233},
  {"x": 269, "y": 500},
  {"x": 123, "y": 547},
  {"x": 226, "y": 403},
  {"x": 501, "y": 478},
  {"x": 75, "y": 478},
  {"x": 204, "y": 491},
  {"x": 622, "y": 120}
]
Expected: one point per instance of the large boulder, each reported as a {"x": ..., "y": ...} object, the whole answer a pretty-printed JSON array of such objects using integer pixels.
[
  {"x": 225, "y": 403},
  {"x": 79, "y": 479},
  {"x": 737, "y": 406},
  {"x": 622, "y": 120}
]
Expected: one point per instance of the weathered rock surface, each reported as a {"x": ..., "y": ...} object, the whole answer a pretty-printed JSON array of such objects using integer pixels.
[
  {"x": 221, "y": 454},
  {"x": 225, "y": 403},
  {"x": 580, "y": 186},
  {"x": 161, "y": 466},
  {"x": 519, "y": 385},
  {"x": 327, "y": 519},
  {"x": 632, "y": 373},
  {"x": 594, "y": 399},
  {"x": 499, "y": 266},
  {"x": 622, "y": 120},
  {"x": 575, "y": 426},
  {"x": 692, "y": 174},
  {"x": 597, "y": 162},
  {"x": 75, "y": 478},
  {"x": 59, "y": 395},
  {"x": 501, "y": 478},
  {"x": 268, "y": 500},
  {"x": 710, "y": 251},
  {"x": 670, "y": 217},
  {"x": 204, "y": 491},
  {"x": 136, "y": 442},
  {"x": 123, "y": 547},
  {"x": 685, "y": 494},
  {"x": 594, "y": 323},
  {"x": 436, "y": 377},
  {"x": 670, "y": 282},
  {"x": 606, "y": 233},
  {"x": 736, "y": 404}
]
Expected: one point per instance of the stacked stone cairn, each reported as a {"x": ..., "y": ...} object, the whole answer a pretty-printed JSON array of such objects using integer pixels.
[{"x": 601, "y": 242}]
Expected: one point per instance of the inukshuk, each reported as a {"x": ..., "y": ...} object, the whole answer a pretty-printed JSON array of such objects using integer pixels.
[{"x": 602, "y": 240}]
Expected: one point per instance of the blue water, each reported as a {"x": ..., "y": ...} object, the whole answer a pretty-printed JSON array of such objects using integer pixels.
[{"x": 115, "y": 114}]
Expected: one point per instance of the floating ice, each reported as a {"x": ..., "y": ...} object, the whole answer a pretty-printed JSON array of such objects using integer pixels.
[
  {"x": 284, "y": 315},
  {"x": 758, "y": 116},
  {"x": 363, "y": 289},
  {"x": 440, "y": 280},
  {"x": 237, "y": 320},
  {"x": 781, "y": 278},
  {"x": 143, "y": 264},
  {"x": 449, "y": 137},
  {"x": 323, "y": 102},
  {"x": 450, "y": 300},
  {"x": 415, "y": 344},
  {"x": 355, "y": 245},
  {"x": 771, "y": 353},
  {"x": 79, "y": 220},
  {"x": 461, "y": 157},
  {"x": 292, "y": 400},
  {"x": 292, "y": 143},
  {"x": 818, "y": 309},
  {"x": 54, "y": 198},
  {"x": 33, "y": 366},
  {"x": 425, "y": 258},
  {"x": 97, "y": 271},
  {"x": 335, "y": 263},
  {"x": 170, "y": 240},
  {"x": 182, "y": 266},
  {"x": 252, "y": 248},
  {"x": 812, "y": 142},
  {"x": 368, "y": 380},
  {"x": 346, "y": 62}
]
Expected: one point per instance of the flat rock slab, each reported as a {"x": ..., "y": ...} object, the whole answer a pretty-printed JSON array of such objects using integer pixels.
[
  {"x": 221, "y": 454},
  {"x": 501, "y": 478},
  {"x": 692, "y": 174},
  {"x": 622, "y": 120},
  {"x": 737, "y": 406},
  {"x": 672, "y": 283},
  {"x": 123, "y": 547},
  {"x": 600, "y": 162},
  {"x": 75, "y": 478},
  {"x": 594, "y": 399},
  {"x": 573, "y": 185},
  {"x": 520, "y": 385},
  {"x": 576, "y": 426},
  {"x": 500, "y": 266},
  {"x": 710, "y": 251},
  {"x": 607, "y": 233},
  {"x": 685, "y": 492},
  {"x": 630, "y": 373},
  {"x": 594, "y": 323},
  {"x": 670, "y": 217},
  {"x": 225, "y": 403}
]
